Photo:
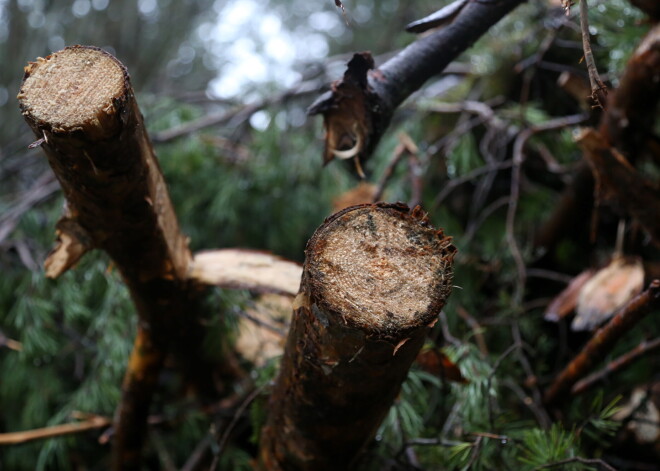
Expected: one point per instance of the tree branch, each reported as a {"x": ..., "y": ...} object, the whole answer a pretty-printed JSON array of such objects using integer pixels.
[
  {"x": 358, "y": 108},
  {"x": 603, "y": 341}
]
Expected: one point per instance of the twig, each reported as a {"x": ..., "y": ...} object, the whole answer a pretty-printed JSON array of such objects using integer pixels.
[
  {"x": 164, "y": 456},
  {"x": 237, "y": 416},
  {"x": 43, "y": 187},
  {"x": 518, "y": 158},
  {"x": 94, "y": 422},
  {"x": 603, "y": 341},
  {"x": 476, "y": 329},
  {"x": 198, "y": 454},
  {"x": 489, "y": 380},
  {"x": 598, "y": 88},
  {"x": 615, "y": 365},
  {"x": 11, "y": 344},
  {"x": 454, "y": 182},
  {"x": 240, "y": 113},
  {"x": 406, "y": 146},
  {"x": 544, "y": 420}
]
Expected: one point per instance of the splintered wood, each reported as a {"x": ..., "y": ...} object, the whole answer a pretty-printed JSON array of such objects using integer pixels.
[{"x": 374, "y": 280}]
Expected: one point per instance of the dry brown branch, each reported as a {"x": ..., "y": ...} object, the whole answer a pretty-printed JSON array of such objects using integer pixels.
[
  {"x": 615, "y": 365},
  {"x": 598, "y": 88},
  {"x": 374, "y": 280},
  {"x": 91, "y": 423},
  {"x": 603, "y": 341},
  {"x": 10, "y": 343}
]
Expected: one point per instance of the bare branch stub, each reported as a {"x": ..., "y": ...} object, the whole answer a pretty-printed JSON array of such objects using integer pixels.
[
  {"x": 374, "y": 280},
  {"x": 358, "y": 108}
]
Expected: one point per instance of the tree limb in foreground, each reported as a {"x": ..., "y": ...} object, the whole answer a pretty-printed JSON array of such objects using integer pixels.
[
  {"x": 358, "y": 108},
  {"x": 374, "y": 280},
  {"x": 81, "y": 107}
]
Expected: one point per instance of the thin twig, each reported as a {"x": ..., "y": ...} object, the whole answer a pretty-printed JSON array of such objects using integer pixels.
[
  {"x": 489, "y": 381},
  {"x": 404, "y": 147},
  {"x": 93, "y": 423},
  {"x": 544, "y": 419},
  {"x": 476, "y": 329},
  {"x": 240, "y": 113},
  {"x": 516, "y": 172},
  {"x": 11, "y": 344},
  {"x": 598, "y": 88},
  {"x": 615, "y": 365},
  {"x": 237, "y": 416}
]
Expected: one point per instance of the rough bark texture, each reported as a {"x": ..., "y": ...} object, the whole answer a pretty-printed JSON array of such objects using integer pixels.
[
  {"x": 357, "y": 110},
  {"x": 81, "y": 107},
  {"x": 374, "y": 280}
]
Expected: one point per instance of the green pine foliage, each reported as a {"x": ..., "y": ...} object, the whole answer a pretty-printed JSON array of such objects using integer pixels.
[{"x": 265, "y": 189}]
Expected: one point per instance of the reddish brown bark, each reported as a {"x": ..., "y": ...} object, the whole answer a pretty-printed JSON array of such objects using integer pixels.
[
  {"x": 81, "y": 107},
  {"x": 375, "y": 278}
]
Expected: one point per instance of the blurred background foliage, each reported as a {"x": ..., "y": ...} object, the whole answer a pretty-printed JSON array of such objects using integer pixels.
[{"x": 257, "y": 181}]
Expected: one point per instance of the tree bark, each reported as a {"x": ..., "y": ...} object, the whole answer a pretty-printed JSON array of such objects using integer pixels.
[
  {"x": 80, "y": 105},
  {"x": 374, "y": 279},
  {"x": 358, "y": 108}
]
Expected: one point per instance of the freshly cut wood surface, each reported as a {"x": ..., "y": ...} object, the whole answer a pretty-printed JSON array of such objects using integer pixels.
[
  {"x": 75, "y": 90},
  {"x": 246, "y": 269},
  {"x": 384, "y": 272},
  {"x": 374, "y": 280}
]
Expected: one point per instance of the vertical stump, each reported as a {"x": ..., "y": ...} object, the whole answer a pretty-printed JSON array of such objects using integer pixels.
[{"x": 375, "y": 278}]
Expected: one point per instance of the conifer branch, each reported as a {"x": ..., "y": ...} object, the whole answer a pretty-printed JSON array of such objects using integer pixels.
[
  {"x": 603, "y": 341},
  {"x": 358, "y": 108}
]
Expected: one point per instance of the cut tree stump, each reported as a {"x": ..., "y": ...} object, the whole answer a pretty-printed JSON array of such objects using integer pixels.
[
  {"x": 81, "y": 107},
  {"x": 374, "y": 280}
]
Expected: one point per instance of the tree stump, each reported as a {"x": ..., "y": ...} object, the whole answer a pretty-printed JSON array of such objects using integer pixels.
[{"x": 375, "y": 278}]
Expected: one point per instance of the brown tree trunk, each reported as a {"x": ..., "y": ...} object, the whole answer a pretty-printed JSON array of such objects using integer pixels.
[
  {"x": 81, "y": 106},
  {"x": 375, "y": 278}
]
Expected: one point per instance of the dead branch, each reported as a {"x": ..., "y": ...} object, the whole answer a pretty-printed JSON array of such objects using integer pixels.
[
  {"x": 603, "y": 341},
  {"x": 234, "y": 115},
  {"x": 615, "y": 365},
  {"x": 358, "y": 108},
  {"x": 598, "y": 88},
  {"x": 92, "y": 423}
]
